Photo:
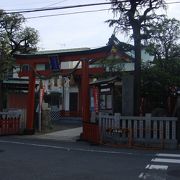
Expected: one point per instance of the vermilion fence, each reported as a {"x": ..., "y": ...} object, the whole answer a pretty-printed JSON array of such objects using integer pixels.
[{"x": 10, "y": 122}]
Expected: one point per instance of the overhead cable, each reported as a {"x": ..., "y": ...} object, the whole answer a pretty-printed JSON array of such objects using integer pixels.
[
  {"x": 68, "y": 7},
  {"x": 58, "y": 8},
  {"x": 63, "y": 14}
]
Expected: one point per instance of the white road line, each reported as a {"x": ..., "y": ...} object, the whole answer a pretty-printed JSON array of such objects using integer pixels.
[
  {"x": 141, "y": 175},
  {"x": 145, "y": 176},
  {"x": 168, "y": 155},
  {"x": 164, "y": 160},
  {"x": 156, "y": 167},
  {"x": 65, "y": 148}
]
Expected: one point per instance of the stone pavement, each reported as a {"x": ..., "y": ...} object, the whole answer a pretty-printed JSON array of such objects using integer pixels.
[{"x": 63, "y": 135}]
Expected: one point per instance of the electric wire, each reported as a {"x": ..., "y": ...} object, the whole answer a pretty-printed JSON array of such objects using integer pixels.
[
  {"x": 54, "y": 3},
  {"x": 68, "y": 7},
  {"x": 59, "y": 8},
  {"x": 63, "y": 14}
]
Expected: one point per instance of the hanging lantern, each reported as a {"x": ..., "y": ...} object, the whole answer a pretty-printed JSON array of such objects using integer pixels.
[
  {"x": 66, "y": 82},
  {"x": 55, "y": 81},
  {"x": 51, "y": 83},
  {"x": 41, "y": 84},
  {"x": 59, "y": 82},
  {"x": 45, "y": 85}
]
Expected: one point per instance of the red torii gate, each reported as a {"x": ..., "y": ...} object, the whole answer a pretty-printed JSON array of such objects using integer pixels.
[{"x": 84, "y": 56}]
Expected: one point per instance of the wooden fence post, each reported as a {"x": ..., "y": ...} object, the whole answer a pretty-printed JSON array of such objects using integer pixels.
[
  {"x": 100, "y": 126},
  {"x": 117, "y": 117},
  {"x": 173, "y": 130},
  {"x": 148, "y": 126}
]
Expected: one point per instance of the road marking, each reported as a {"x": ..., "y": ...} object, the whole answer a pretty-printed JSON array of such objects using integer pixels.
[
  {"x": 141, "y": 175},
  {"x": 65, "y": 148},
  {"x": 164, "y": 160},
  {"x": 151, "y": 176},
  {"x": 156, "y": 167},
  {"x": 144, "y": 176},
  {"x": 168, "y": 155}
]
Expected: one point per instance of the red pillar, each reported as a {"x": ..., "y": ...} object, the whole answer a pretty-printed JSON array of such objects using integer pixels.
[
  {"x": 30, "y": 105},
  {"x": 85, "y": 91},
  {"x": 80, "y": 100},
  {"x": 90, "y": 131}
]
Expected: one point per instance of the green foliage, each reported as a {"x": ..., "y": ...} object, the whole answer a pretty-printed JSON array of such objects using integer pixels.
[
  {"x": 129, "y": 14},
  {"x": 164, "y": 73},
  {"x": 6, "y": 65},
  {"x": 157, "y": 79},
  {"x": 164, "y": 34},
  {"x": 14, "y": 37}
]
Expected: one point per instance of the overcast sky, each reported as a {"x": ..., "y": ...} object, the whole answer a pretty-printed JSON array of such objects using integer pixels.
[{"x": 72, "y": 31}]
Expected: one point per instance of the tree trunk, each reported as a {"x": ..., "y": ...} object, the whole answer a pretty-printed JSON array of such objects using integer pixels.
[
  {"x": 1, "y": 97},
  {"x": 1, "y": 81},
  {"x": 137, "y": 70}
]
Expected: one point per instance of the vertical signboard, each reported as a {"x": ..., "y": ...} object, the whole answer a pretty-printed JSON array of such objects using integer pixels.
[
  {"x": 41, "y": 95},
  {"x": 96, "y": 99}
]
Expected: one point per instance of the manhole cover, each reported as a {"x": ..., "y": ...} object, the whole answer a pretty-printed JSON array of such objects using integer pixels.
[{"x": 175, "y": 173}]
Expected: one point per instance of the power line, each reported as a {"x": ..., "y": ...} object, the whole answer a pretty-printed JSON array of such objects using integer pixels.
[
  {"x": 62, "y": 14},
  {"x": 70, "y": 7},
  {"x": 9, "y": 11},
  {"x": 76, "y": 12},
  {"x": 55, "y": 3},
  {"x": 62, "y": 7}
]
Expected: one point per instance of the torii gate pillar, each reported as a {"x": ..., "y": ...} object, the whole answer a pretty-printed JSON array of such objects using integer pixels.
[
  {"x": 85, "y": 92},
  {"x": 30, "y": 105},
  {"x": 90, "y": 131}
]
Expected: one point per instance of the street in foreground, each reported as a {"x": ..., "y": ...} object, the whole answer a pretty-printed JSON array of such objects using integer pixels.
[{"x": 32, "y": 159}]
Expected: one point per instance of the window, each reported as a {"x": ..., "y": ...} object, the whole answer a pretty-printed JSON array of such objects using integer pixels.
[
  {"x": 106, "y": 101},
  {"x": 40, "y": 67}
]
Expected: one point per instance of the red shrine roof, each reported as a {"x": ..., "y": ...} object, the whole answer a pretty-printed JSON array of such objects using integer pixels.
[
  {"x": 115, "y": 50},
  {"x": 64, "y": 52}
]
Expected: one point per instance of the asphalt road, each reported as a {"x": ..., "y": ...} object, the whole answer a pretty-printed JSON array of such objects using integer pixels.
[{"x": 32, "y": 159}]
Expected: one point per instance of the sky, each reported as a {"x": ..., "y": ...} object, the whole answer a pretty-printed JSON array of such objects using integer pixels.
[{"x": 72, "y": 31}]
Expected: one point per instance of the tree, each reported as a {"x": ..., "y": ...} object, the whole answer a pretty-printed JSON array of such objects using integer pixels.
[
  {"x": 163, "y": 75},
  {"x": 165, "y": 34},
  {"x": 133, "y": 16},
  {"x": 14, "y": 37},
  {"x": 157, "y": 80}
]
